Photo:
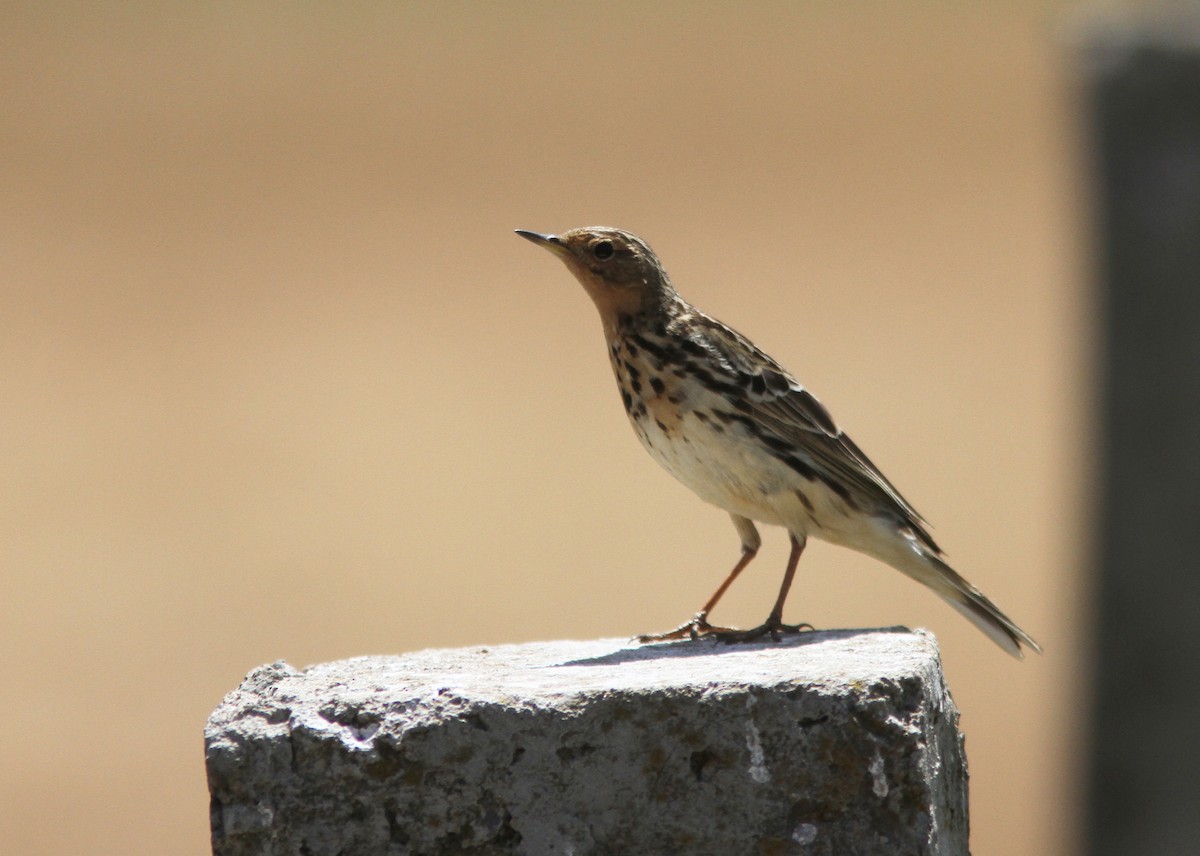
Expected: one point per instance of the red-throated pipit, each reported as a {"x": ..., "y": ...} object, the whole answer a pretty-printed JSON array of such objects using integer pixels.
[{"x": 731, "y": 424}]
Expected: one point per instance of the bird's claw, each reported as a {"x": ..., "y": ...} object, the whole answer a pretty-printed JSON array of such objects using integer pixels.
[
  {"x": 773, "y": 627},
  {"x": 694, "y": 629},
  {"x": 699, "y": 627}
]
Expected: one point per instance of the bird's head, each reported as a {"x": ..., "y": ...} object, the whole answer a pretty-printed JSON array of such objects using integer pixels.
[{"x": 618, "y": 270}]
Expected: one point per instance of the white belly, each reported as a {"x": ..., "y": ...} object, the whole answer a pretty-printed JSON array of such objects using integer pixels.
[{"x": 730, "y": 473}]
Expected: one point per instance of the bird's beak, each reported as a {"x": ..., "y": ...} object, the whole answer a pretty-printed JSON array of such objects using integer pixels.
[{"x": 549, "y": 242}]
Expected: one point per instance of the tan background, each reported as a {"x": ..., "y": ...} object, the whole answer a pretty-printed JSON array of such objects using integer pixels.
[{"x": 279, "y": 382}]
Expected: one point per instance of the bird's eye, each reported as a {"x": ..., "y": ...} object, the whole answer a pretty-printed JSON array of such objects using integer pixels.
[{"x": 602, "y": 250}]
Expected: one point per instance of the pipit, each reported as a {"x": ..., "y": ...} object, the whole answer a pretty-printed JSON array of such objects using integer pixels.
[{"x": 735, "y": 427}]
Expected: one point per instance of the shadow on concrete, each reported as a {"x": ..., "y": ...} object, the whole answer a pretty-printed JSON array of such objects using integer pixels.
[{"x": 637, "y": 652}]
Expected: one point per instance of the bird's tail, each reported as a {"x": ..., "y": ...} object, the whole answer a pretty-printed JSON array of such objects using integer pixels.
[
  {"x": 981, "y": 612},
  {"x": 924, "y": 566}
]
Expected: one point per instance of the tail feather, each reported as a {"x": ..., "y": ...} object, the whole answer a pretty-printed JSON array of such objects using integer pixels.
[
  {"x": 924, "y": 566},
  {"x": 978, "y": 609}
]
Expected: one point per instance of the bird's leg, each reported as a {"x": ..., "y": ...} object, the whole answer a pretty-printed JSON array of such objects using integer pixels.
[
  {"x": 699, "y": 626},
  {"x": 774, "y": 624}
]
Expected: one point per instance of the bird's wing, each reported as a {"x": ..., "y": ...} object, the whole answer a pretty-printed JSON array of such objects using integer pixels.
[{"x": 780, "y": 404}]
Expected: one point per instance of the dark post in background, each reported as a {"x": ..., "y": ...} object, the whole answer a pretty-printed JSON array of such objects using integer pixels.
[{"x": 1145, "y": 755}]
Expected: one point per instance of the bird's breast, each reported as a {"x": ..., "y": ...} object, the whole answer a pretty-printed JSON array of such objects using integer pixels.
[{"x": 691, "y": 431}]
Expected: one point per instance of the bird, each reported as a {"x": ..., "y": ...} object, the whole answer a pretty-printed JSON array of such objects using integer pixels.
[{"x": 743, "y": 434}]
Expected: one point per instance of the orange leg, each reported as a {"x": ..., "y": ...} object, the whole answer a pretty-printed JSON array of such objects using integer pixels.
[
  {"x": 774, "y": 624},
  {"x": 699, "y": 625}
]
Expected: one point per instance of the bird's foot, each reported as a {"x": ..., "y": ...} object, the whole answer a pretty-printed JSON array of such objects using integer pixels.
[
  {"x": 773, "y": 626},
  {"x": 697, "y": 627}
]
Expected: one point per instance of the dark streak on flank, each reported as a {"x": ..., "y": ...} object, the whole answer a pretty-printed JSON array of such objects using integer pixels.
[
  {"x": 658, "y": 386},
  {"x": 729, "y": 418},
  {"x": 841, "y": 491},
  {"x": 776, "y": 445},
  {"x": 798, "y": 465}
]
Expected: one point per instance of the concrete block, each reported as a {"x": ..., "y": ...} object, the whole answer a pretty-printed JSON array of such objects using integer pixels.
[{"x": 836, "y": 742}]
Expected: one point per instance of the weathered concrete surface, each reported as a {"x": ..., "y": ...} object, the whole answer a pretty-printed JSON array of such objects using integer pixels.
[{"x": 839, "y": 742}]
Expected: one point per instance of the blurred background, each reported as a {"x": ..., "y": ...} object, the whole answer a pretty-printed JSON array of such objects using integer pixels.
[{"x": 280, "y": 382}]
